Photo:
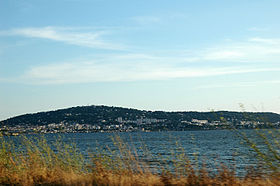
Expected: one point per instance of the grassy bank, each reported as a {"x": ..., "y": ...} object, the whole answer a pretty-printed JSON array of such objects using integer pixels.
[{"x": 38, "y": 162}]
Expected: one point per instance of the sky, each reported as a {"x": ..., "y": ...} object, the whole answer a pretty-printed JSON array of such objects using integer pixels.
[{"x": 178, "y": 55}]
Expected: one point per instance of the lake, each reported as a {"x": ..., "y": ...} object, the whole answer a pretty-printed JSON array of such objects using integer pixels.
[{"x": 208, "y": 148}]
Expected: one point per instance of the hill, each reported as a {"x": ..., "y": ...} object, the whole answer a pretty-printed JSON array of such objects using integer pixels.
[{"x": 153, "y": 120}]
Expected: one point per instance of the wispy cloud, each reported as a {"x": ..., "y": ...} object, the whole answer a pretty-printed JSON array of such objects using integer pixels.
[
  {"x": 132, "y": 67},
  {"x": 72, "y": 36},
  {"x": 258, "y": 29},
  {"x": 146, "y": 19},
  {"x": 271, "y": 41},
  {"x": 239, "y": 84},
  {"x": 253, "y": 50},
  {"x": 254, "y": 55},
  {"x": 223, "y": 55},
  {"x": 8, "y": 80}
]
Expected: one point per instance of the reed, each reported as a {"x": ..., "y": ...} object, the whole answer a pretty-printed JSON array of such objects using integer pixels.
[
  {"x": 34, "y": 161},
  {"x": 264, "y": 143}
]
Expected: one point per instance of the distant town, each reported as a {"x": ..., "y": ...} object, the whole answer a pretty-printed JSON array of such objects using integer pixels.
[{"x": 115, "y": 119}]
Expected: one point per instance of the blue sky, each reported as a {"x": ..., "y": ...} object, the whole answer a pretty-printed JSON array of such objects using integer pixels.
[{"x": 155, "y": 55}]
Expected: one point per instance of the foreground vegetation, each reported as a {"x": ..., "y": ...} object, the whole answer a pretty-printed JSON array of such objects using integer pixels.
[{"x": 38, "y": 162}]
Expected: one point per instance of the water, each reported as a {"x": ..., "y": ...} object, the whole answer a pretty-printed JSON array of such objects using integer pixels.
[{"x": 210, "y": 148}]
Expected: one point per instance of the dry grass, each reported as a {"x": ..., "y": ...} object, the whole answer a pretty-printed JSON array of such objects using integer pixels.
[{"x": 35, "y": 162}]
